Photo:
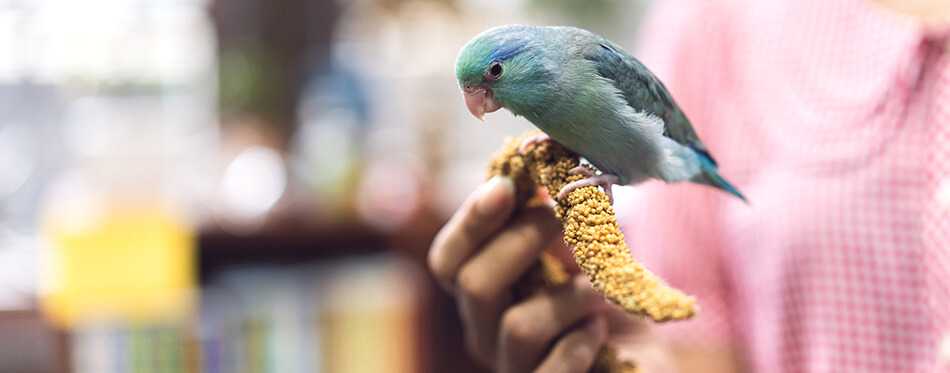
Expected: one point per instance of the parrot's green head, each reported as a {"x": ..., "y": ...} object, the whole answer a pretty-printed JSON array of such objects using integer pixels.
[{"x": 501, "y": 67}]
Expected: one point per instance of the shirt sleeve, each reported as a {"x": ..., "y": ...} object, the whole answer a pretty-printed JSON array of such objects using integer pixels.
[{"x": 672, "y": 229}]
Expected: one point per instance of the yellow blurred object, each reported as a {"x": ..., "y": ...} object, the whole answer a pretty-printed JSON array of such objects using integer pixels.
[
  {"x": 372, "y": 309},
  {"x": 124, "y": 263}
]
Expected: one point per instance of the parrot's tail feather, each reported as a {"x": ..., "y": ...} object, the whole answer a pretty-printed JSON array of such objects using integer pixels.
[{"x": 709, "y": 175}]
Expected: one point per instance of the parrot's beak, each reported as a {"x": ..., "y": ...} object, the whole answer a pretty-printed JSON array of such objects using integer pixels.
[{"x": 479, "y": 101}]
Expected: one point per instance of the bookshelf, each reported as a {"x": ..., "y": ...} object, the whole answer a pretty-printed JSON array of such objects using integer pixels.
[
  {"x": 219, "y": 250},
  {"x": 435, "y": 326},
  {"x": 275, "y": 301}
]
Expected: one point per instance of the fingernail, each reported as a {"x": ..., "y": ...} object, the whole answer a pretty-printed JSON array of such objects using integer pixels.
[{"x": 497, "y": 195}]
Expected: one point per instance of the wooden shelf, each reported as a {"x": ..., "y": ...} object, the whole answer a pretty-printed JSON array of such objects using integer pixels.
[
  {"x": 218, "y": 250},
  {"x": 288, "y": 243}
]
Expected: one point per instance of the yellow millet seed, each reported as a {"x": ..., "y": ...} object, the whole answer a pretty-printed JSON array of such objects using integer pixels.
[{"x": 591, "y": 229}]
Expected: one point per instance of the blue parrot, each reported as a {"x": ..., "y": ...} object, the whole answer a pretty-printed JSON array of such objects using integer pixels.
[{"x": 591, "y": 96}]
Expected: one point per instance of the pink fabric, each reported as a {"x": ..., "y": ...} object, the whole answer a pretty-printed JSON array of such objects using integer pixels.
[{"x": 833, "y": 117}]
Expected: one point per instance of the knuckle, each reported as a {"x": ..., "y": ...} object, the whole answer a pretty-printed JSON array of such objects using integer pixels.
[
  {"x": 441, "y": 240},
  {"x": 438, "y": 242},
  {"x": 441, "y": 255},
  {"x": 474, "y": 285},
  {"x": 518, "y": 327},
  {"x": 436, "y": 262}
]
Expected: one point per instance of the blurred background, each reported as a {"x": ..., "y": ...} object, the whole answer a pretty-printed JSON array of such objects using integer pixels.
[{"x": 241, "y": 185}]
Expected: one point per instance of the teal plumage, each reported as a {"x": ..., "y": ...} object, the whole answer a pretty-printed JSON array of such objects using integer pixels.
[{"x": 590, "y": 95}]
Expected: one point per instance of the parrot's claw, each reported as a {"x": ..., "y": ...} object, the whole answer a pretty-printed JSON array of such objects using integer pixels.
[
  {"x": 590, "y": 179},
  {"x": 533, "y": 140}
]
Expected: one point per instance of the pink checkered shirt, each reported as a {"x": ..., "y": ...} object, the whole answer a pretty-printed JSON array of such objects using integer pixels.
[{"x": 833, "y": 117}]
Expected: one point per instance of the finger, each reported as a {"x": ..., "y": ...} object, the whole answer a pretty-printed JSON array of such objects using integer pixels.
[
  {"x": 563, "y": 253},
  {"x": 576, "y": 351},
  {"x": 485, "y": 281},
  {"x": 636, "y": 340},
  {"x": 482, "y": 213},
  {"x": 528, "y": 328}
]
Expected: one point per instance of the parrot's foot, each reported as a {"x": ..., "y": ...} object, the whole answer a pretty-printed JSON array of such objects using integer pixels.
[
  {"x": 533, "y": 140},
  {"x": 604, "y": 180}
]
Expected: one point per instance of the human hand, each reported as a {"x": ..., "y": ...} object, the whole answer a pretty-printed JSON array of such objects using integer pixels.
[{"x": 482, "y": 252}]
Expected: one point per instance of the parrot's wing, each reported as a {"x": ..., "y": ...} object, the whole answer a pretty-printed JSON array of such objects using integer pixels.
[{"x": 643, "y": 91}]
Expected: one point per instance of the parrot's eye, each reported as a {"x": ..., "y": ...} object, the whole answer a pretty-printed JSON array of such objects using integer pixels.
[{"x": 494, "y": 71}]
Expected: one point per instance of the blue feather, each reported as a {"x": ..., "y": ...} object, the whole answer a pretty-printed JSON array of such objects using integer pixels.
[
  {"x": 504, "y": 51},
  {"x": 711, "y": 175}
]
